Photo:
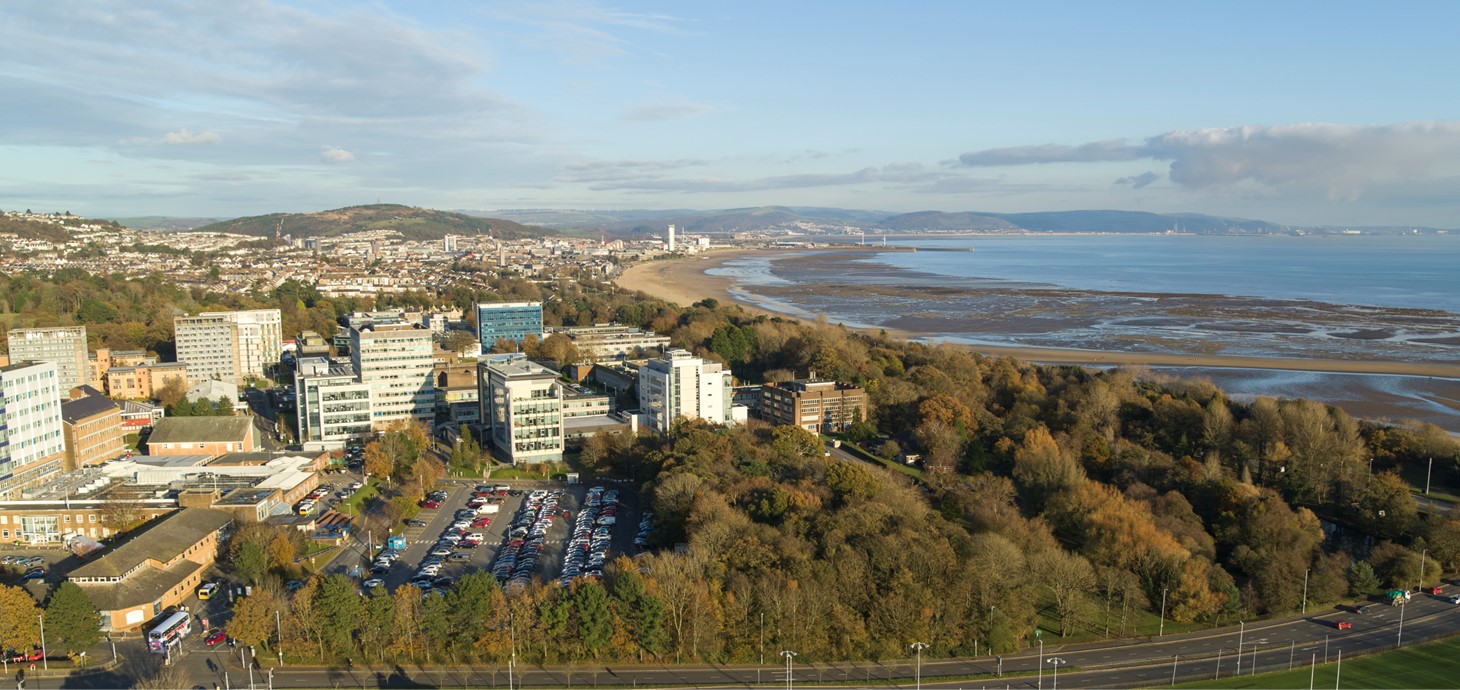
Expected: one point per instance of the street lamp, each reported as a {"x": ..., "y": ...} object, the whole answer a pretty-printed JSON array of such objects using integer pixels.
[
  {"x": 1162, "y": 630},
  {"x": 1305, "y": 590},
  {"x": 512, "y": 630},
  {"x": 1056, "y": 661},
  {"x": 1422, "y": 553},
  {"x": 918, "y": 647},
  {"x": 1241, "y": 630},
  {"x": 44, "y": 662},
  {"x": 250, "y": 667},
  {"x": 789, "y": 656}
]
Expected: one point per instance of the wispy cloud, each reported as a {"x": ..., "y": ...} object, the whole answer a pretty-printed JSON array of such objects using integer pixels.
[
  {"x": 1341, "y": 160},
  {"x": 660, "y": 111},
  {"x": 659, "y": 176},
  {"x": 1139, "y": 181},
  {"x": 182, "y": 137},
  {"x": 582, "y": 28}
]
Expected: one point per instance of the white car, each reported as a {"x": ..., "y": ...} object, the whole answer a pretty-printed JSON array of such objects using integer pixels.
[{"x": 374, "y": 582}]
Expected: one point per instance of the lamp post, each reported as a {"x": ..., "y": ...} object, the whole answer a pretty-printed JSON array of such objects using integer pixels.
[
  {"x": 1305, "y": 590},
  {"x": 1422, "y": 553},
  {"x": 918, "y": 648},
  {"x": 1041, "y": 665},
  {"x": 1160, "y": 632},
  {"x": 789, "y": 656},
  {"x": 250, "y": 667},
  {"x": 44, "y": 662},
  {"x": 1399, "y": 640},
  {"x": 279, "y": 644},
  {"x": 1175, "y": 658},
  {"x": 1056, "y": 661},
  {"x": 1241, "y": 630},
  {"x": 512, "y": 630}
]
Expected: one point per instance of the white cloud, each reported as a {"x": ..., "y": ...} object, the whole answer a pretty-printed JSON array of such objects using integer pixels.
[
  {"x": 183, "y": 137},
  {"x": 335, "y": 154},
  {"x": 660, "y": 111},
  {"x": 1341, "y": 161}
]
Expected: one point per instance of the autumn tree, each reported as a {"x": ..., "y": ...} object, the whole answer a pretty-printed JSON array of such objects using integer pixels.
[
  {"x": 19, "y": 619},
  {"x": 1069, "y": 580},
  {"x": 1042, "y": 468},
  {"x": 253, "y": 617}
]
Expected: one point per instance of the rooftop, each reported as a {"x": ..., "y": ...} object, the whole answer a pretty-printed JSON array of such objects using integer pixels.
[
  {"x": 174, "y": 534},
  {"x": 73, "y": 411},
  {"x": 143, "y": 588},
  {"x": 199, "y": 429}
]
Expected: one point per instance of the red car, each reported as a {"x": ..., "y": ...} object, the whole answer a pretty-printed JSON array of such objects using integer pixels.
[
  {"x": 1343, "y": 625},
  {"x": 1435, "y": 590},
  {"x": 430, "y": 504},
  {"x": 481, "y": 522},
  {"x": 21, "y": 657},
  {"x": 215, "y": 637}
]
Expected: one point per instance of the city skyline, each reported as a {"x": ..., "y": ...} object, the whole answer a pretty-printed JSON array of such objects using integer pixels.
[{"x": 1300, "y": 113}]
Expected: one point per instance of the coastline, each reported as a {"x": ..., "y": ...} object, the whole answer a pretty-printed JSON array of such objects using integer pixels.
[{"x": 684, "y": 281}]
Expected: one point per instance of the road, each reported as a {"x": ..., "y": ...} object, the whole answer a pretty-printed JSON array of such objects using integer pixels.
[{"x": 1267, "y": 646}]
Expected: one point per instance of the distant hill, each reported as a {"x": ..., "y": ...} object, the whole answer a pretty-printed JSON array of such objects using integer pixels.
[
  {"x": 411, "y": 222},
  {"x": 721, "y": 221},
  {"x": 29, "y": 229},
  {"x": 165, "y": 222},
  {"x": 1074, "y": 221}
]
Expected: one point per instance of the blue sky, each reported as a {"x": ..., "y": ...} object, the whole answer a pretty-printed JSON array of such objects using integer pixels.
[{"x": 1300, "y": 113}]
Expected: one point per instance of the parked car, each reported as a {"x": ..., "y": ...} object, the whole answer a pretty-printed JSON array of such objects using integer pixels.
[
  {"x": 215, "y": 637},
  {"x": 416, "y": 523},
  {"x": 1453, "y": 599},
  {"x": 206, "y": 591},
  {"x": 373, "y": 582}
]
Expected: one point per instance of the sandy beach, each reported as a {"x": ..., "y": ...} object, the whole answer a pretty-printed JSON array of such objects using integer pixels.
[{"x": 684, "y": 282}]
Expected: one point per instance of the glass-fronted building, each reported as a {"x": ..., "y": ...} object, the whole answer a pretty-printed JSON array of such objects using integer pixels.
[{"x": 511, "y": 320}]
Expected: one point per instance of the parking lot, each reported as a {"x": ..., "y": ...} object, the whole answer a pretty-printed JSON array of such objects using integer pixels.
[{"x": 519, "y": 544}]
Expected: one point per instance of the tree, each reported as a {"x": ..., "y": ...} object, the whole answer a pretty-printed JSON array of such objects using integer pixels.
[
  {"x": 341, "y": 613},
  {"x": 377, "y": 462},
  {"x": 71, "y": 620},
  {"x": 1070, "y": 580},
  {"x": 251, "y": 562},
  {"x": 225, "y": 407},
  {"x": 123, "y": 514},
  {"x": 1042, "y": 468},
  {"x": 19, "y": 622},
  {"x": 1361, "y": 579},
  {"x": 253, "y": 617},
  {"x": 173, "y": 389}
]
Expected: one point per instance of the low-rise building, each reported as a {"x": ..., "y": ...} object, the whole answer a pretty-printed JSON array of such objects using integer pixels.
[
  {"x": 93, "y": 427},
  {"x": 143, "y": 381},
  {"x": 603, "y": 341},
  {"x": 457, "y": 397},
  {"x": 137, "y": 416},
  {"x": 581, "y": 402},
  {"x": 157, "y": 569},
  {"x": 211, "y": 436},
  {"x": 814, "y": 405}
]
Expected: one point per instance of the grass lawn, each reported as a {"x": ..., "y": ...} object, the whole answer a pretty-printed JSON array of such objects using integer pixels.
[
  {"x": 351, "y": 505},
  {"x": 1433, "y": 665},
  {"x": 859, "y": 452}
]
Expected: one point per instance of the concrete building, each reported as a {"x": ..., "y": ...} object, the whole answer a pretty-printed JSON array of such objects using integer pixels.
[
  {"x": 333, "y": 404},
  {"x": 457, "y": 397},
  {"x": 680, "y": 385},
  {"x": 582, "y": 402},
  {"x": 93, "y": 428},
  {"x": 511, "y": 320},
  {"x": 210, "y": 436},
  {"x": 395, "y": 362},
  {"x": 229, "y": 346},
  {"x": 143, "y": 382},
  {"x": 608, "y": 341},
  {"x": 813, "y": 405},
  {"x": 158, "y": 569},
  {"x": 521, "y": 407},
  {"x": 66, "y": 346},
  {"x": 32, "y": 440}
]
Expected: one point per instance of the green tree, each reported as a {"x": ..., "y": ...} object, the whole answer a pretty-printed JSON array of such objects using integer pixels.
[
  {"x": 225, "y": 407},
  {"x": 1361, "y": 579},
  {"x": 250, "y": 563},
  {"x": 595, "y": 620},
  {"x": 71, "y": 620},
  {"x": 341, "y": 613}
]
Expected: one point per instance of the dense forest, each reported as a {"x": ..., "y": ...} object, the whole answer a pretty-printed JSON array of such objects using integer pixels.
[{"x": 1050, "y": 496}]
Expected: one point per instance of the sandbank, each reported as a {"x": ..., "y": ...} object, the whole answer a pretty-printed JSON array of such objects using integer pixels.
[{"x": 684, "y": 281}]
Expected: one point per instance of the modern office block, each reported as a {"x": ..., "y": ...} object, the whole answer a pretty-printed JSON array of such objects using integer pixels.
[
  {"x": 680, "y": 385},
  {"x": 522, "y": 405},
  {"x": 395, "y": 362},
  {"x": 229, "y": 346},
  {"x": 32, "y": 439},
  {"x": 511, "y": 320}
]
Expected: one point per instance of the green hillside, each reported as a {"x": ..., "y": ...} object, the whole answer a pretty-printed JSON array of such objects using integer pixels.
[{"x": 411, "y": 222}]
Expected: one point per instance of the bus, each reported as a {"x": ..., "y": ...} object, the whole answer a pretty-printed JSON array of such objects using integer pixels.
[{"x": 170, "y": 632}]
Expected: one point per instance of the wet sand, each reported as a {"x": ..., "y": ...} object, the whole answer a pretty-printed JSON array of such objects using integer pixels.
[{"x": 684, "y": 282}]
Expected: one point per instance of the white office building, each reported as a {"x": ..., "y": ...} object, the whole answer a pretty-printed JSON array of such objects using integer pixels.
[
  {"x": 607, "y": 341},
  {"x": 66, "y": 346},
  {"x": 229, "y": 346},
  {"x": 333, "y": 405},
  {"x": 32, "y": 439},
  {"x": 395, "y": 362},
  {"x": 522, "y": 409},
  {"x": 680, "y": 385}
]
